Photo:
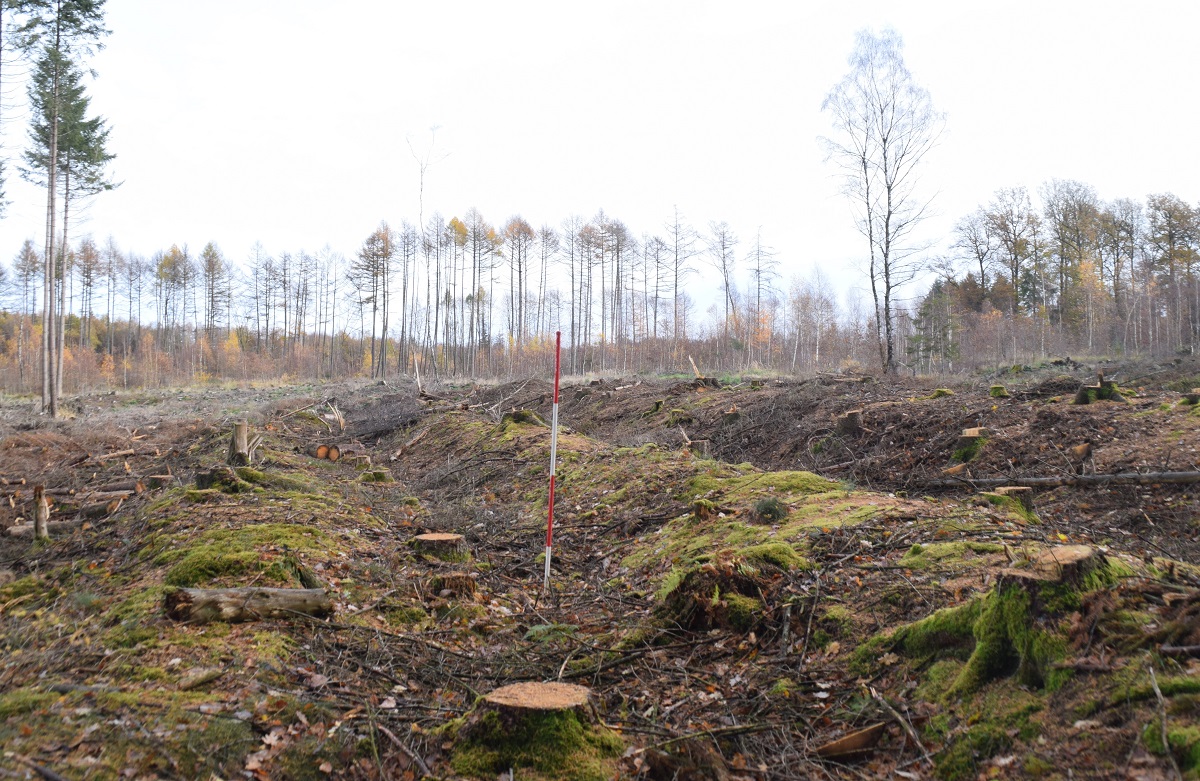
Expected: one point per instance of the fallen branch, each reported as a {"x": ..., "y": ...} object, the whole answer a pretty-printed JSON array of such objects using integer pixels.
[
  {"x": 1162, "y": 715},
  {"x": 1180, "y": 650},
  {"x": 407, "y": 751},
  {"x": 1116, "y": 478},
  {"x": 903, "y": 722}
]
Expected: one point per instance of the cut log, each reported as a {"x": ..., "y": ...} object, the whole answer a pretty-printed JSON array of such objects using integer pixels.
[
  {"x": 453, "y": 584},
  {"x": 333, "y": 452},
  {"x": 126, "y": 487},
  {"x": 849, "y": 423},
  {"x": 320, "y": 451},
  {"x": 53, "y": 528},
  {"x": 100, "y": 509},
  {"x": 160, "y": 481},
  {"x": 41, "y": 513},
  {"x": 233, "y": 605},
  {"x": 440, "y": 545}
]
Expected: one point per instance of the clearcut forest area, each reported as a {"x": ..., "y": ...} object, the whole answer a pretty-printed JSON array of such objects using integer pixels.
[{"x": 834, "y": 578}]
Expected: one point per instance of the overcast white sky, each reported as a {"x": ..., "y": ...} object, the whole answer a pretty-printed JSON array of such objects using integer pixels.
[{"x": 285, "y": 122}]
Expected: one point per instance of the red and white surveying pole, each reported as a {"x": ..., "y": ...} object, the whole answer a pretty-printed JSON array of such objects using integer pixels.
[{"x": 553, "y": 459}]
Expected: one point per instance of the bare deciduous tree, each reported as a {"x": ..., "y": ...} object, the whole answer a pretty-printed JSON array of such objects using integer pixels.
[{"x": 885, "y": 125}]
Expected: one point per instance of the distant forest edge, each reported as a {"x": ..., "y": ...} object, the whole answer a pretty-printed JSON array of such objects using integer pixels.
[{"x": 1030, "y": 277}]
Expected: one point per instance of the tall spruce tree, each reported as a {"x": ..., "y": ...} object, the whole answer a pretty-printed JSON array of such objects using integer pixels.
[{"x": 63, "y": 30}]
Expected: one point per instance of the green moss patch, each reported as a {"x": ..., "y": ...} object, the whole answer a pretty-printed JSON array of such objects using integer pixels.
[
  {"x": 948, "y": 555},
  {"x": 552, "y": 744}
]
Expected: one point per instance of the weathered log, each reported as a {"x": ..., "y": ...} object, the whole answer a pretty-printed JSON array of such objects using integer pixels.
[
  {"x": 41, "y": 513},
  {"x": 100, "y": 509},
  {"x": 160, "y": 481},
  {"x": 53, "y": 528},
  {"x": 447, "y": 547},
  {"x": 200, "y": 606},
  {"x": 1117, "y": 478},
  {"x": 122, "y": 486}
]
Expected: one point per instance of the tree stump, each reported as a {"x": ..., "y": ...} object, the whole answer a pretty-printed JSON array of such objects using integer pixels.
[
  {"x": 440, "y": 545},
  {"x": 1069, "y": 563},
  {"x": 41, "y": 513},
  {"x": 1192, "y": 397},
  {"x": 970, "y": 442},
  {"x": 453, "y": 584},
  {"x": 239, "y": 444},
  {"x": 849, "y": 423},
  {"x": 1015, "y": 632},
  {"x": 222, "y": 478},
  {"x": 1022, "y": 493},
  {"x": 548, "y": 727},
  {"x": 233, "y": 605}
]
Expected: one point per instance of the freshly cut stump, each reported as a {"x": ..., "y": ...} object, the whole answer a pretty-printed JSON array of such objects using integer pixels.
[
  {"x": 1069, "y": 563},
  {"x": 551, "y": 728},
  {"x": 440, "y": 545},
  {"x": 539, "y": 697}
]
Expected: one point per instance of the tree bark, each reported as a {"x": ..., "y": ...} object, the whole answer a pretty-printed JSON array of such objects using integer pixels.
[
  {"x": 239, "y": 444},
  {"x": 201, "y": 606},
  {"x": 41, "y": 513}
]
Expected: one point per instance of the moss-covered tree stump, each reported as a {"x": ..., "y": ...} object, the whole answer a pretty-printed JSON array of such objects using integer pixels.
[
  {"x": 969, "y": 443},
  {"x": 1022, "y": 493},
  {"x": 549, "y": 728},
  {"x": 1018, "y": 628},
  {"x": 453, "y": 584},
  {"x": 441, "y": 545}
]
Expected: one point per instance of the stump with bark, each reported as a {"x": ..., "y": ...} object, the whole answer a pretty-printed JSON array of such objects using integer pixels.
[
  {"x": 233, "y": 605},
  {"x": 453, "y": 584},
  {"x": 1022, "y": 493},
  {"x": 41, "y": 513},
  {"x": 969, "y": 443},
  {"x": 1016, "y": 632},
  {"x": 549, "y": 728},
  {"x": 440, "y": 545},
  {"x": 849, "y": 423}
]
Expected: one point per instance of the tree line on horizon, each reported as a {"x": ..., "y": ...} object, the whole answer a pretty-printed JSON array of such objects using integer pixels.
[{"x": 464, "y": 298}]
